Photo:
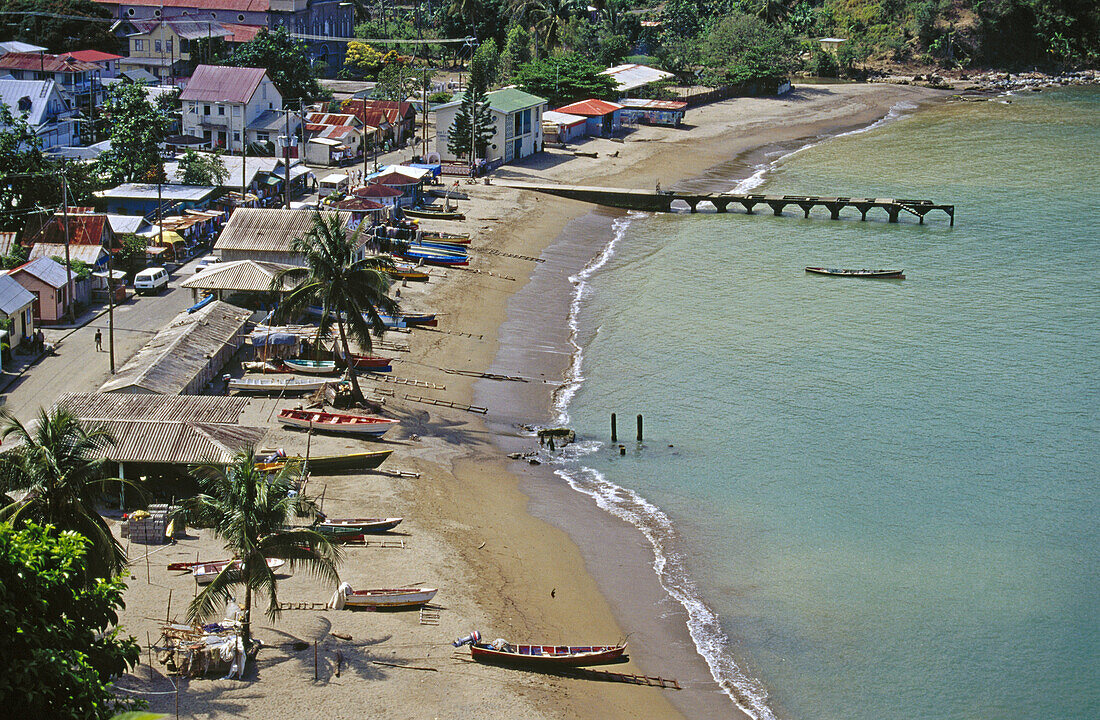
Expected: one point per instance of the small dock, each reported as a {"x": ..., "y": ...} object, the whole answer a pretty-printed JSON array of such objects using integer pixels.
[{"x": 647, "y": 201}]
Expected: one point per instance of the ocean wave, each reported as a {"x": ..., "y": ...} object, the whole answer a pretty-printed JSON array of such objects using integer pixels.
[
  {"x": 703, "y": 624},
  {"x": 573, "y": 376},
  {"x": 760, "y": 171}
]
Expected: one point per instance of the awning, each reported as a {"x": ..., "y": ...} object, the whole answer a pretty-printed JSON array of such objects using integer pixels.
[{"x": 155, "y": 250}]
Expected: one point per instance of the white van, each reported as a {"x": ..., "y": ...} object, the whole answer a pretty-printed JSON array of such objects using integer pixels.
[{"x": 151, "y": 281}]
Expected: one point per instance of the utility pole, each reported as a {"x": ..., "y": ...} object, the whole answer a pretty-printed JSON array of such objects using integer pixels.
[
  {"x": 286, "y": 158},
  {"x": 71, "y": 310},
  {"x": 424, "y": 152},
  {"x": 244, "y": 146},
  {"x": 111, "y": 306}
]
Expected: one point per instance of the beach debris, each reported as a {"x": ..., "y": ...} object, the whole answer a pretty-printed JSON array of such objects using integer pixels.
[
  {"x": 341, "y": 636},
  {"x": 447, "y": 403},
  {"x": 564, "y": 436}
]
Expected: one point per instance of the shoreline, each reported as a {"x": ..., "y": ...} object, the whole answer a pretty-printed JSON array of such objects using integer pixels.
[{"x": 515, "y": 552}]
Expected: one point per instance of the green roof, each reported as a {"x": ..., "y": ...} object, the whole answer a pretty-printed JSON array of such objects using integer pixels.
[{"x": 507, "y": 100}]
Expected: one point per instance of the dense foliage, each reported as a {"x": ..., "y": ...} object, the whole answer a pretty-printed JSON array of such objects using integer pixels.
[
  {"x": 61, "y": 649},
  {"x": 137, "y": 129},
  {"x": 61, "y": 34},
  {"x": 286, "y": 61},
  {"x": 563, "y": 79},
  {"x": 473, "y": 124},
  {"x": 201, "y": 169}
]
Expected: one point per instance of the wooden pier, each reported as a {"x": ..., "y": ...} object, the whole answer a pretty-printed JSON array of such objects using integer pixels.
[{"x": 648, "y": 201}]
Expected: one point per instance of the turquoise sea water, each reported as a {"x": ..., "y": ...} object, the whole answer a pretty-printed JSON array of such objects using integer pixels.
[{"x": 882, "y": 498}]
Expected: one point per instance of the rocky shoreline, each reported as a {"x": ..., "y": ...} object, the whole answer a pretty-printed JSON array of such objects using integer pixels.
[{"x": 993, "y": 82}]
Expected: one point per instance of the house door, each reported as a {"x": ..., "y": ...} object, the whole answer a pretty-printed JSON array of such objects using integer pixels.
[{"x": 35, "y": 307}]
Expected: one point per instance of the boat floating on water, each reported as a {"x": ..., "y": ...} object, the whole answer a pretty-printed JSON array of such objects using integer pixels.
[
  {"x": 840, "y": 272},
  {"x": 339, "y": 423}
]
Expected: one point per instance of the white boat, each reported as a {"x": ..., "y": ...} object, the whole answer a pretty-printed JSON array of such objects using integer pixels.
[
  {"x": 275, "y": 385},
  {"x": 206, "y": 572},
  {"x": 381, "y": 597}
]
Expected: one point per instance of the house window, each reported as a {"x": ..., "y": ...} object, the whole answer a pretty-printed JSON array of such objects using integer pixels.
[
  {"x": 236, "y": 136},
  {"x": 221, "y": 109},
  {"x": 263, "y": 89},
  {"x": 168, "y": 45},
  {"x": 157, "y": 47},
  {"x": 236, "y": 111},
  {"x": 139, "y": 45},
  {"x": 205, "y": 109},
  {"x": 262, "y": 137}
]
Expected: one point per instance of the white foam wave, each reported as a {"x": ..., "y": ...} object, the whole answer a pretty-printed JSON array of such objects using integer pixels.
[
  {"x": 573, "y": 376},
  {"x": 760, "y": 172},
  {"x": 703, "y": 624}
]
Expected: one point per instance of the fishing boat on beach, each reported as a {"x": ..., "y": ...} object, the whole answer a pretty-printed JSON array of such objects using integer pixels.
[
  {"x": 410, "y": 319},
  {"x": 363, "y": 526},
  {"x": 339, "y": 423},
  {"x": 381, "y": 598},
  {"x": 548, "y": 657},
  {"x": 430, "y": 213},
  {"x": 445, "y": 238},
  {"x": 840, "y": 272},
  {"x": 325, "y": 464},
  {"x": 263, "y": 385},
  {"x": 408, "y": 271},
  {"x": 311, "y": 367},
  {"x": 369, "y": 361},
  {"x": 436, "y": 256},
  {"x": 206, "y": 572}
]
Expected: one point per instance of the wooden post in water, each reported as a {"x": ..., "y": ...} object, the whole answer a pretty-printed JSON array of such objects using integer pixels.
[
  {"x": 639, "y": 427},
  {"x": 614, "y": 429}
]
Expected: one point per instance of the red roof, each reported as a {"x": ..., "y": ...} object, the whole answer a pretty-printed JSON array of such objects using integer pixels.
[
  {"x": 92, "y": 56},
  {"x": 359, "y": 203},
  {"x": 374, "y": 112},
  {"x": 234, "y": 5},
  {"x": 44, "y": 62},
  {"x": 590, "y": 108},
  {"x": 379, "y": 191},
  {"x": 394, "y": 178},
  {"x": 83, "y": 230},
  {"x": 213, "y": 83},
  {"x": 241, "y": 33},
  {"x": 321, "y": 118}
]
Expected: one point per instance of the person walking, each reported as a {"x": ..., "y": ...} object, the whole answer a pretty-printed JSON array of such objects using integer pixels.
[{"x": 98, "y": 340}]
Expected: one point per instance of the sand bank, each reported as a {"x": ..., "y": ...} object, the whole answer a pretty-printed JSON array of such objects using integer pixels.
[{"x": 468, "y": 530}]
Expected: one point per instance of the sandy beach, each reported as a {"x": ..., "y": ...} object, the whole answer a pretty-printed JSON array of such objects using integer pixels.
[{"x": 514, "y": 552}]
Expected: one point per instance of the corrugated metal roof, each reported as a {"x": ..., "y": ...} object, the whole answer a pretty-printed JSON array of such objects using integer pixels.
[
  {"x": 275, "y": 121},
  {"x": 181, "y": 352},
  {"x": 185, "y": 28},
  {"x": 13, "y": 296},
  {"x": 48, "y": 271},
  {"x": 177, "y": 442},
  {"x": 7, "y": 239},
  {"x": 555, "y": 116},
  {"x": 44, "y": 62},
  {"x": 84, "y": 229},
  {"x": 267, "y": 229},
  {"x": 590, "y": 108},
  {"x": 91, "y": 56},
  {"x": 90, "y": 254},
  {"x": 320, "y": 118},
  {"x": 213, "y": 83},
  {"x": 162, "y": 408},
  {"x": 39, "y": 92},
  {"x": 648, "y": 104},
  {"x": 242, "y": 33},
  {"x": 257, "y": 6},
  {"x": 238, "y": 275},
  {"x": 632, "y": 75},
  {"x": 126, "y": 223},
  {"x": 168, "y": 193}
]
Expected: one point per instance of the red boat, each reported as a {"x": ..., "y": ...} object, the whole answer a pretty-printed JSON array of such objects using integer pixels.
[
  {"x": 341, "y": 423},
  {"x": 369, "y": 361}
]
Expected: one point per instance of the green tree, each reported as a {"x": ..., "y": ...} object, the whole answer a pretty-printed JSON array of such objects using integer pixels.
[
  {"x": 548, "y": 18},
  {"x": 473, "y": 110},
  {"x": 742, "y": 48},
  {"x": 132, "y": 256},
  {"x": 60, "y": 34},
  {"x": 20, "y": 156},
  {"x": 137, "y": 129},
  {"x": 362, "y": 59},
  {"x": 201, "y": 169},
  {"x": 60, "y": 467},
  {"x": 208, "y": 51},
  {"x": 350, "y": 292},
  {"x": 517, "y": 50},
  {"x": 251, "y": 514},
  {"x": 485, "y": 65},
  {"x": 60, "y": 651},
  {"x": 396, "y": 81},
  {"x": 566, "y": 78},
  {"x": 286, "y": 62}
]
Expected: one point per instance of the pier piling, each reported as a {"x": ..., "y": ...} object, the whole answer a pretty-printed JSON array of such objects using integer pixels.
[
  {"x": 614, "y": 430},
  {"x": 639, "y": 427}
]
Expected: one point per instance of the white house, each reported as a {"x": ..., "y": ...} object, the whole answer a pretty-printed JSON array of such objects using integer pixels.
[
  {"x": 47, "y": 108},
  {"x": 219, "y": 101},
  {"x": 517, "y": 116}
]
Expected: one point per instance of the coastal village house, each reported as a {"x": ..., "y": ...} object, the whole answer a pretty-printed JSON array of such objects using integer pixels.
[
  {"x": 517, "y": 117},
  {"x": 264, "y": 235},
  {"x": 47, "y": 281},
  {"x": 16, "y": 307},
  {"x": 143, "y": 198},
  {"x": 163, "y": 48},
  {"x": 396, "y": 121},
  {"x": 47, "y": 108},
  {"x": 631, "y": 76},
  {"x": 221, "y": 101},
  {"x": 108, "y": 63},
  {"x": 603, "y": 118},
  {"x": 81, "y": 80},
  {"x": 321, "y": 19},
  {"x": 85, "y": 227}
]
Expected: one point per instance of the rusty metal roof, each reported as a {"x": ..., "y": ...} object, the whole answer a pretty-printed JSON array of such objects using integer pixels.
[
  {"x": 160, "y": 408},
  {"x": 267, "y": 229},
  {"x": 90, "y": 254},
  {"x": 239, "y": 276},
  {"x": 212, "y": 83},
  {"x": 44, "y": 62},
  {"x": 185, "y": 443},
  {"x": 179, "y": 353},
  {"x": 235, "y": 5}
]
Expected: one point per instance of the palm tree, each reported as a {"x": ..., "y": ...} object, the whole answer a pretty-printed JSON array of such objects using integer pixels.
[
  {"x": 58, "y": 464},
  {"x": 547, "y": 18},
  {"x": 251, "y": 514},
  {"x": 351, "y": 291}
]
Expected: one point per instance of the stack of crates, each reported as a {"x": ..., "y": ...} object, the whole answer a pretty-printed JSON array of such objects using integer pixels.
[{"x": 153, "y": 529}]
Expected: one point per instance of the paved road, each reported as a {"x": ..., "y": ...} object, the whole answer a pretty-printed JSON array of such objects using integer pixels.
[{"x": 77, "y": 367}]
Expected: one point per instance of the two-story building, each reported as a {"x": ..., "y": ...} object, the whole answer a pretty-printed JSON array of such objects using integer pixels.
[
  {"x": 47, "y": 108},
  {"x": 318, "y": 20},
  {"x": 229, "y": 105},
  {"x": 396, "y": 121},
  {"x": 105, "y": 61},
  {"x": 517, "y": 118},
  {"x": 163, "y": 48},
  {"x": 81, "y": 80}
]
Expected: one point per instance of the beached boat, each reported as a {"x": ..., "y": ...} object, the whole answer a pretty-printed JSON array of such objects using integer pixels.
[
  {"x": 369, "y": 361},
  {"x": 311, "y": 367},
  {"x": 340, "y": 423},
  {"x": 435, "y": 256},
  {"x": 542, "y": 656},
  {"x": 206, "y": 572},
  {"x": 840, "y": 272},
  {"x": 439, "y": 235},
  {"x": 262, "y": 385},
  {"x": 359, "y": 525},
  {"x": 324, "y": 464},
  {"x": 448, "y": 194},
  {"x": 389, "y": 597},
  {"x": 410, "y": 319},
  {"x": 408, "y": 271},
  {"x": 429, "y": 213}
]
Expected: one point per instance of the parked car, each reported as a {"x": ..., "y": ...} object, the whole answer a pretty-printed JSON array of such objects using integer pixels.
[
  {"x": 206, "y": 262},
  {"x": 151, "y": 281}
]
